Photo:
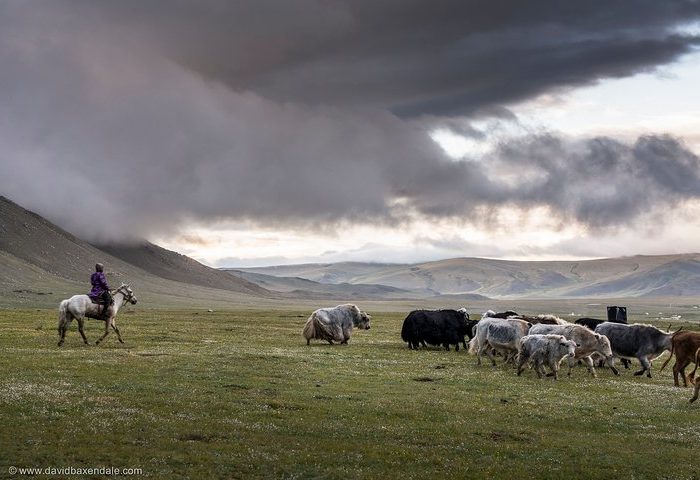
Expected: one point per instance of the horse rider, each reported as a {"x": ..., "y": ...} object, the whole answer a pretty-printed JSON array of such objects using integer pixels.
[{"x": 100, "y": 289}]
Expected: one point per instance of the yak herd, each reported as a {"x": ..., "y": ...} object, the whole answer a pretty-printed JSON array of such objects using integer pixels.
[{"x": 521, "y": 340}]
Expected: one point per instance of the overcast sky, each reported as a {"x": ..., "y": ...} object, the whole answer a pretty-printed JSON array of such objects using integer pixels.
[{"x": 277, "y": 131}]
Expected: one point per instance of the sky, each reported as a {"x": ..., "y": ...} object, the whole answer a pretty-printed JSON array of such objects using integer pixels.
[{"x": 271, "y": 132}]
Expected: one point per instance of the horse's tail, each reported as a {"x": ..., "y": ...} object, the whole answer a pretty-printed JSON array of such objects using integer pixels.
[
  {"x": 62, "y": 313},
  {"x": 63, "y": 319}
]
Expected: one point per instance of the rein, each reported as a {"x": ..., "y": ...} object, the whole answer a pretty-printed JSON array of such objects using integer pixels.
[{"x": 123, "y": 290}]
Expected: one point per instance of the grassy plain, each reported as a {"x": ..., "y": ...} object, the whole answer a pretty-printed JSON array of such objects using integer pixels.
[{"x": 238, "y": 394}]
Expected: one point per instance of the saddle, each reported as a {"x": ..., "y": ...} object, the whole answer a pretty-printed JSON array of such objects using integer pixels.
[{"x": 99, "y": 301}]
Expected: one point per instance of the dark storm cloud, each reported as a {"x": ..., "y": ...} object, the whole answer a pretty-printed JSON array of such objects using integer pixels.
[
  {"x": 410, "y": 56},
  {"x": 123, "y": 119}
]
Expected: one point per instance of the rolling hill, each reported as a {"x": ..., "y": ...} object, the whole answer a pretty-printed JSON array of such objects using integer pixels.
[
  {"x": 292, "y": 287},
  {"x": 638, "y": 276},
  {"x": 180, "y": 268},
  {"x": 41, "y": 263}
]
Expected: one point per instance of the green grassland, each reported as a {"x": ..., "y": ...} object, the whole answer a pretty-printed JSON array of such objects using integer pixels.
[{"x": 238, "y": 394}]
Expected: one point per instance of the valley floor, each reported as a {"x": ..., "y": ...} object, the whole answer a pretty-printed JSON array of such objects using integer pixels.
[{"x": 238, "y": 394}]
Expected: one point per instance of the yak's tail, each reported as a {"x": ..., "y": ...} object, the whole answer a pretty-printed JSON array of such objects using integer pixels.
[
  {"x": 668, "y": 359},
  {"x": 316, "y": 328},
  {"x": 473, "y": 344},
  {"x": 697, "y": 360},
  {"x": 310, "y": 329}
]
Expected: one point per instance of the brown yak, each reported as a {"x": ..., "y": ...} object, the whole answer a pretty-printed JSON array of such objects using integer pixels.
[{"x": 684, "y": 344}]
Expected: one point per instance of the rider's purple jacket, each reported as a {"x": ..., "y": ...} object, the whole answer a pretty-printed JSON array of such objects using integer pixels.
[{"x": 99, "y": 284}]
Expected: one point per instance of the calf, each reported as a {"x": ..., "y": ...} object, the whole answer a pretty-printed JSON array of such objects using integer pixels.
[
  {"x": 643, "y": 342},
  {"x": 587, "y": 343},
  {"x": 684, "y": 345},
  {"x": 436, "y": 327},
  {"x": 499, "y": 334},
  {"x": 541, "y": 349}
]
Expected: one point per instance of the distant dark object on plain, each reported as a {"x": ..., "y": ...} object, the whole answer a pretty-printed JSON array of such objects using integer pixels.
[{"x": 617, "y": 314}]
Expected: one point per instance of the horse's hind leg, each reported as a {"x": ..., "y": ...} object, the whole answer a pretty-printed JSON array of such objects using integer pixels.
[
  {"x": 81, "y": 329},
  {"x": 63, "y": 325},
  {"x": 61, "y": 334}
]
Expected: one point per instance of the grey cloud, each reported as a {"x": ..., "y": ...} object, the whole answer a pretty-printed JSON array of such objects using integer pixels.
[
  {"x": 126, "y": 119},
  {"x": 413, "y": 57},
  {"x": 601, "y": 181},
  {"x": 128, "y": 144}
]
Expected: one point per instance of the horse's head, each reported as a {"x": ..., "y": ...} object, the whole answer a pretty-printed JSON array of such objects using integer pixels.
[{"x": 128, "y": 293}]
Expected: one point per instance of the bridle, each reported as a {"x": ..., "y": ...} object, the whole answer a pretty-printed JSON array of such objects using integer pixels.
[{"x": 125, "y": 290}]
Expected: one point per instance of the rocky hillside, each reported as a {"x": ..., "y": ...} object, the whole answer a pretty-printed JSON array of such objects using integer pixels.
[{"x": 40, "y": 261}]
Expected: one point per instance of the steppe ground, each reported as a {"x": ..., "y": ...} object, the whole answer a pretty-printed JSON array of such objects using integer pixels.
[{"x": 238, "y": 394}]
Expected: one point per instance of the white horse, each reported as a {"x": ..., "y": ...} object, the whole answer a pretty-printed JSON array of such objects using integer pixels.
[{"x": 80, "y": 306}]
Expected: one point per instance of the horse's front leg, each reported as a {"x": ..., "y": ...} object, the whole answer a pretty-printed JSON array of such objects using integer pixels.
[
  {"x": 81, "y": 325},
  {"x": 119, "y": 336},
  {"x": 108, "y": 323}
]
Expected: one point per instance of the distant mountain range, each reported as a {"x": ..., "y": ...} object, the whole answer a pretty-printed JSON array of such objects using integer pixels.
[
  {"x": 41, "y": 263},
  {"x": 297, "y": 287},
  {"x": 638, "y": 276}
]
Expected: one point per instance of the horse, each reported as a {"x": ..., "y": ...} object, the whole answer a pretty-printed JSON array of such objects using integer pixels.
[{"x": 80, "y": 306}]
